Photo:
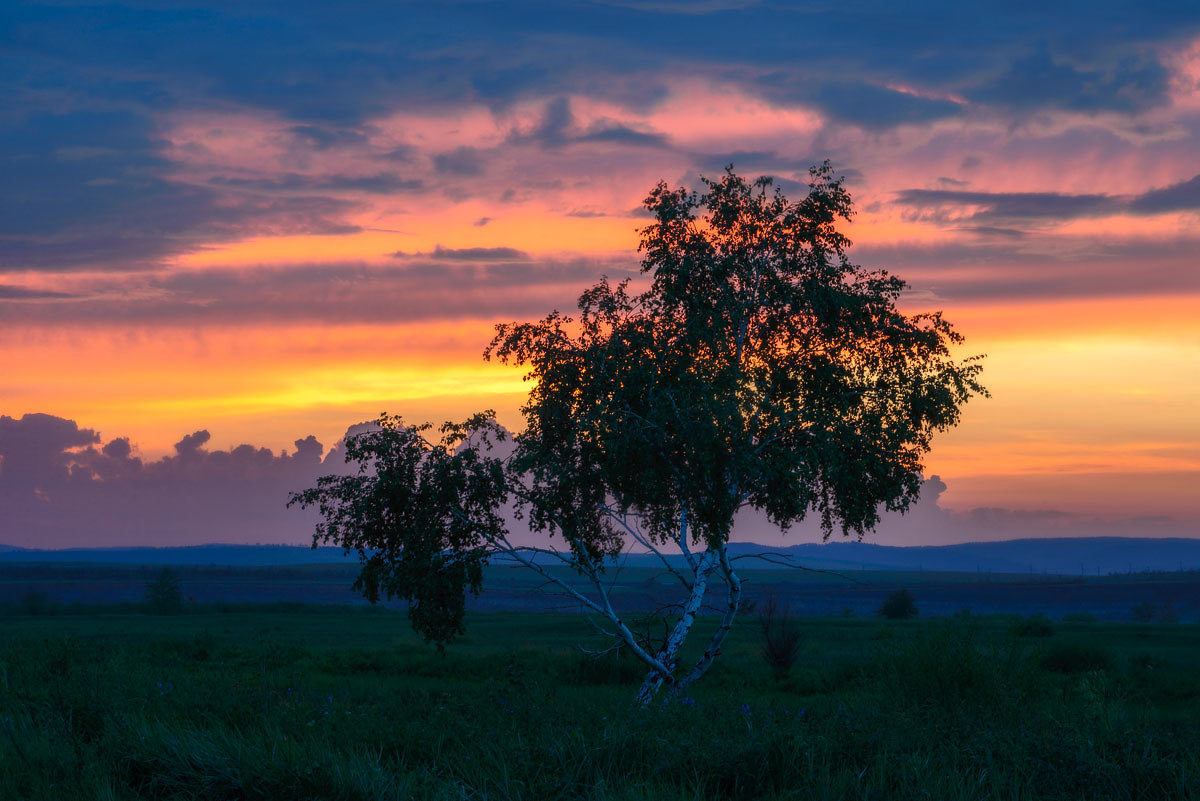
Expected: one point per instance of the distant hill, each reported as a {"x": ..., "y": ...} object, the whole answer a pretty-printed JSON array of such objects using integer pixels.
[
  {"x": 1064, "y": 556},
  {"x": 1087, "y": 556}
]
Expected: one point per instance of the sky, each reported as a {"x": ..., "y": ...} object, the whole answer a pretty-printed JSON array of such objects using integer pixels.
[{"x": 230, "y": 231}]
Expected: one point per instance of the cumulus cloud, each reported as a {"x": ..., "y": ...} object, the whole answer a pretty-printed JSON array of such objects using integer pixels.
[{"x": 63, "y": 486}]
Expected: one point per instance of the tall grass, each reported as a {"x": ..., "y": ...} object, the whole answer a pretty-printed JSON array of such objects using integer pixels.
[{"x": 345, "y": 704}]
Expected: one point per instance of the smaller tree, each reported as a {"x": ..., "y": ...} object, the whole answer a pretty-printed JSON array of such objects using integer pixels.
[
  {"x": 900, "y": 605},
  {"x": 34, "y": 602},
  {"x": 164, "y": 595}
]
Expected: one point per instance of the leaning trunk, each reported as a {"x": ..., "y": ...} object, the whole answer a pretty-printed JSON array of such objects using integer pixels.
[{"x": 669, "y": 654}]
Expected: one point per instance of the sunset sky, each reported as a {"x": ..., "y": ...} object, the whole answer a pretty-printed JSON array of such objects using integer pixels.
[{"x": 268, "y": 220}]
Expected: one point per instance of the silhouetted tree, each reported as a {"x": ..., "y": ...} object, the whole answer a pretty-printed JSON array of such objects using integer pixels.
[
  {"x": 759, "y": 368},
  {"x": 164, "y": 594},
  {"x": 900, "y": 605}
]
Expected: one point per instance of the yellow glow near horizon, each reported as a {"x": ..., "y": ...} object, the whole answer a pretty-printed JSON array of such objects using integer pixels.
[{"x": 1101, "y": 387}]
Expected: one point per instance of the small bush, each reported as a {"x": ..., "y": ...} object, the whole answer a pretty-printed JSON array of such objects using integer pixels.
[
  {"x": 1077, "y": 658},
  {"x": 1079, "y": 617},
  {"x": 780, "y": 637},
  {"x": 34, "y": 602},
  {"x": 1145, "y": 612},
  {"x": 1033, "y": 626},
  {"x": 164, "y": 595},
  {"x": 900, "y": 605}
]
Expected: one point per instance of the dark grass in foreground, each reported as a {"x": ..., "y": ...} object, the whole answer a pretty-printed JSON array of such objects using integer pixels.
[{"x": 345, "y": 703}]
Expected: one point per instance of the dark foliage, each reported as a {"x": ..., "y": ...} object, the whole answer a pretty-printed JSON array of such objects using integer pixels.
[
  {"x": 1037, "y": 625},
  {"x": 1077, "y": 657},
  {"x": 1149, "y": 612},
  {"x": 164, "y": 594},
  {"x": 900, "y": 605},
  {"x": 780, "y": 636},
  {"x": 34, "y": 602}
]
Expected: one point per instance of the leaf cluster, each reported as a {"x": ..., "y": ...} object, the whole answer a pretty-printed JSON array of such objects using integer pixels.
[{"x": 760, "y": 367}]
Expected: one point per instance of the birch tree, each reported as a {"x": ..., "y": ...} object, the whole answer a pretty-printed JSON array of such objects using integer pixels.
[{"x": 757, "y": 367}]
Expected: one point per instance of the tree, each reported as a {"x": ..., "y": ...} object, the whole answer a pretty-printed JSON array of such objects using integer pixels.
[
  {"x": 900, "y": 605},
  {"x": 757, "y": 367},
  {"x": 163, "y": 594}
]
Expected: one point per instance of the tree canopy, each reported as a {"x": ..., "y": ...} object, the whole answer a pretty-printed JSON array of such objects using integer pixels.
[{"x": 753, "y": 365}]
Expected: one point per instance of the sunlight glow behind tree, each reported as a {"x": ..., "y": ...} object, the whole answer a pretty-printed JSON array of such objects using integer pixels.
[{"x": 761, "y": 368}]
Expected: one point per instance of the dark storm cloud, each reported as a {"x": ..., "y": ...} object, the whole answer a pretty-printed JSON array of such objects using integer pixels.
[
  {"x": 1033, "y": 267},
  {"x": 86, "y": 87},
  {"x": 1013, "y": 205},
  {"x": 330, "y": 68},
  {"x": 60, "y": 487},
  {"x": 991, "y": 230},
  {"x": 859, "y": 103},
  {"x": 323, "y": 137},
  {"x": 447, "y": 284},
  {"x": 8, "y": 292},
  {"x": 460, "y": 161},
  {"x": 557, "y": 129},
  {"x": 1183, "y": 196},
  {"x": 467, "y": 254},
  {"x": 622, "y": 135},
  {"x": 87, "y": 189},
  {"x": 1054, "y": 206},
  {"x": 384, "y": 183},
  {"x": 1131, "y": 84}
]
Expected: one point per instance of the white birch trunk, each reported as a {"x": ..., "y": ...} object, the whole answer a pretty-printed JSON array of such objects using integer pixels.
[
  {"x": 733, "y": 604},
  {"x": 668, "y": 656}
]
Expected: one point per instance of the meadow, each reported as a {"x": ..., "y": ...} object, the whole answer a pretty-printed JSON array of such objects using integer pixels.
[{"x": 296, "y": 702}]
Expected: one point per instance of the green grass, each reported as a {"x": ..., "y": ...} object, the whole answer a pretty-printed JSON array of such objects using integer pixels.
[{"x": 293, "y": 702}]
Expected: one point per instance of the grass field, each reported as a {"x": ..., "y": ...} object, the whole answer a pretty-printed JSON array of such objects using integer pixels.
[{"x": 307, "y": 702}]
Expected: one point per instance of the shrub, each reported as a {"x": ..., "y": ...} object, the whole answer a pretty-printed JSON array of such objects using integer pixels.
[
  {"x": 164, "y": 595},
  {"x": 1147, "y": 612},
  {"x": 1076, "y": 657},
  {"x": 900, "y": 605},
  {"x": 1033, "y": 626},
  {"x": 1079, "y": 617},
  {"x": 780, "y": 637},
  {"x": 34, "y": 602},
  {"x": 1144, "y": 612}
]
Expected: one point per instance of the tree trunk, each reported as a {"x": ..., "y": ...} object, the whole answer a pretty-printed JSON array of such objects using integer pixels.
[
  {"x": 733, "y": 604},
  {"x": 668, "y": 655}
]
